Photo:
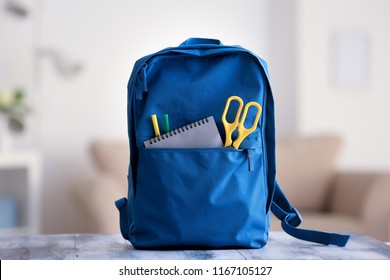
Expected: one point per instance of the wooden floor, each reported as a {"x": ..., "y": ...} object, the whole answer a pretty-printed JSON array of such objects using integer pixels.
[{"x": 96, "y": 246}]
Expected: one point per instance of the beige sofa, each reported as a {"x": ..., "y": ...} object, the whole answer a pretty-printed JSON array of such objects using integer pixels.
[{"x": 326, "y": 198}]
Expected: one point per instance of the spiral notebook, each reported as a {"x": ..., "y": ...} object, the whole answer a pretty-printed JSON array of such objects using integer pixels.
[{"x": 200, "y": 134}]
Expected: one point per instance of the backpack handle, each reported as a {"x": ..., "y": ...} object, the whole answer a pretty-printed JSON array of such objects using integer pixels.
[{"x": 198, "y": 41}]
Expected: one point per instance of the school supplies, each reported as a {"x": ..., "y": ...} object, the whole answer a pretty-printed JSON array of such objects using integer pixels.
[
  {"x": 242, "y": 131},
  {"x": 166, "y": 123},
  {"x": 204, "y": 197},
  {"x": 155, "y": 125},
  {"x": 200, "y": 134}
]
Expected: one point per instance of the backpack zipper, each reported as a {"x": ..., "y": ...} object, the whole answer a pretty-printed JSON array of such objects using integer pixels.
[
  {"x": 142, "y": 81},
  {"x": 142, "y": 76}
]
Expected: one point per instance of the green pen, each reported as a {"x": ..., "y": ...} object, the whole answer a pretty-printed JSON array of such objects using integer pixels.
[{"x": 166, "y": 123}]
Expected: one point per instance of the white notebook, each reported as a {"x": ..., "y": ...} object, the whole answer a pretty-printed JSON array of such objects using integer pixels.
[{"x": 200, "y": 134}]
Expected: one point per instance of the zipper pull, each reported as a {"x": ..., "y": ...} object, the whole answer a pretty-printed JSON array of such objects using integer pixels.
[
  {"x": 144, "y": 79},
  {"x": 142, "y": 83},
  {"x": 251, "y": 164}
]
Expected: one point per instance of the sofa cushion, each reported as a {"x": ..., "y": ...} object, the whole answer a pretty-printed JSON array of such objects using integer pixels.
[
  {"x": 304, "y": 168},
  {"x": 112, "y": 158}
]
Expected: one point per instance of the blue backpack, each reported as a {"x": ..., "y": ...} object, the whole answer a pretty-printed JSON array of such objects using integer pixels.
[{"x": 200, "y": 196}]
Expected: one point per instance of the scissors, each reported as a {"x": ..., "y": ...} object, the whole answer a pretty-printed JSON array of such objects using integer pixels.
[{"x": 231, "y": 127}]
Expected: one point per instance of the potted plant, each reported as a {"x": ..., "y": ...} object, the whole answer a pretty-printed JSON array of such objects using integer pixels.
[{"x": 13, "y": 111}]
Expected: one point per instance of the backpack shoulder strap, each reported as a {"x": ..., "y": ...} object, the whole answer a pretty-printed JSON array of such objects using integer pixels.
[{"x": 291, "y": 219}]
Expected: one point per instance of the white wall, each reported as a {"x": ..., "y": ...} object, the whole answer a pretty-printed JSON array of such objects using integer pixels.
[
  {"x": 281, "y": 58},
  {"x": 15, "y": 52},
  {"x": 359, "y": 112},
  {"x": 107, "y": 37}
]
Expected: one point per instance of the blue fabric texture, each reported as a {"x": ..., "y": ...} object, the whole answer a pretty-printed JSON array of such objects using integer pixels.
[{"x": 211, "y": 197}]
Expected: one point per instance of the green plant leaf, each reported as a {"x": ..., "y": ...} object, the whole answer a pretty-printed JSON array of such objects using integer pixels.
[{"x": 18, "y": 96}]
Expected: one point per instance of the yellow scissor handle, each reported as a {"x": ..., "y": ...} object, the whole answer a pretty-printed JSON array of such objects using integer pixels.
[
  {"x": 242, "y": 131},
  {"x": 230, "y": 127}
]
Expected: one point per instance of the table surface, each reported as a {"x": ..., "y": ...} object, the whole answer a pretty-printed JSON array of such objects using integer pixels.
[{"x": 100, "y": 246}]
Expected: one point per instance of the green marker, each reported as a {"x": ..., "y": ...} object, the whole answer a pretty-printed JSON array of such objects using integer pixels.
[{"x": 166, "y": 123}]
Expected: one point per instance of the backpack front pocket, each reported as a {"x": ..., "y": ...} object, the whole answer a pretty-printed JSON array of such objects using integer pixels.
[{"x": 205, "y": 197}]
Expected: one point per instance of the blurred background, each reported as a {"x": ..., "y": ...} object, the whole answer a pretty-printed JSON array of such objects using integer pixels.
[{"x": 65, "y": 66}]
